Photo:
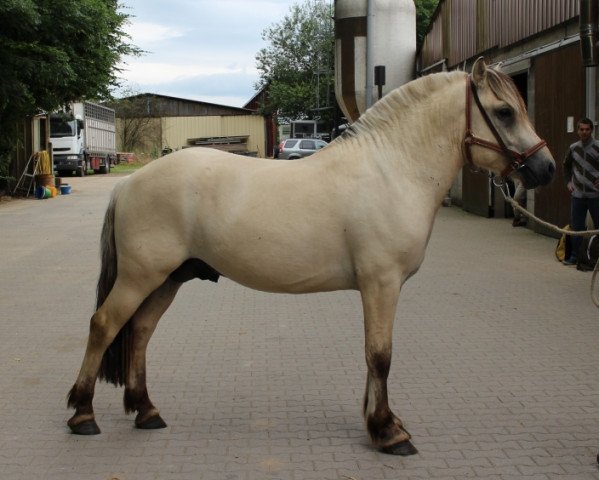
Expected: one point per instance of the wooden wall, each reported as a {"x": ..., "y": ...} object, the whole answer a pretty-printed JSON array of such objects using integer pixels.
[{"x": 560, "y": 93}]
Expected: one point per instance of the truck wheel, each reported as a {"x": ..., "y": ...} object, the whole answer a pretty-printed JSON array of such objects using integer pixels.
[
  {"x": 105, "y": 168},
  {"x": 82, "y": 170}
]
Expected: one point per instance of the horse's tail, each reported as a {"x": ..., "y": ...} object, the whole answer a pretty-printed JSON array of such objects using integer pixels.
[{"x": 115, "y": 362}]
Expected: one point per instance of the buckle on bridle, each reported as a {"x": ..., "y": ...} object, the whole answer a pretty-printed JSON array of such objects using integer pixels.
[{"x": 498, "y": 181}]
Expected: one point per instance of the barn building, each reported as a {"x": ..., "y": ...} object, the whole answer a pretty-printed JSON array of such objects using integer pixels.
[
  {"x": 150, "y": 122},
  {"x": 270, "y": 120}
]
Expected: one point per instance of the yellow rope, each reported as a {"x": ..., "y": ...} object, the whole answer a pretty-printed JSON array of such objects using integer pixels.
[{"x": 44, "y": 165}]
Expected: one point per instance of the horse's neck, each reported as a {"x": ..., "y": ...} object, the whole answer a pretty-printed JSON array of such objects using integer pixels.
[{"x": 418, "y": 132}]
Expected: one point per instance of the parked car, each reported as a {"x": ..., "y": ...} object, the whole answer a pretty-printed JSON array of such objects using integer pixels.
[{"x": 294, "y": 148}]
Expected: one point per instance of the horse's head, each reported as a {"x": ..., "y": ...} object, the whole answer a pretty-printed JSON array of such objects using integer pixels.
[{"x": 505, "y": 142}]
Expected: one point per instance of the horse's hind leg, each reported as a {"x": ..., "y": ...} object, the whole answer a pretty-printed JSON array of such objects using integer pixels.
[
  {"x": 143, "y": 325},
  {"x": 120, "y": 305},
  {"x": 385, "y": 429}
]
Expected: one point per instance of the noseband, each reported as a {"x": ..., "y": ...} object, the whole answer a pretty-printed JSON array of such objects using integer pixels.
[{"x": 517, "y": 159}]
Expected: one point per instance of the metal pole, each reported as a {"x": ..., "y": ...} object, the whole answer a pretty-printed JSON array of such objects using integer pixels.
[
  {"x": 369, "y": 52},
  {"x": 591, "y": 92},
  {"x": 589, "y": 31}
]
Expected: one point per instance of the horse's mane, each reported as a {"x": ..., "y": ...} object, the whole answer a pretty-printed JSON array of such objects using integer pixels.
[{"x": 391, "y": 107}]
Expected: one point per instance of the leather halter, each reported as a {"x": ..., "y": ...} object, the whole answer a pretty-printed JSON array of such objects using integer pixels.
[{"x": 516, "y": 159}]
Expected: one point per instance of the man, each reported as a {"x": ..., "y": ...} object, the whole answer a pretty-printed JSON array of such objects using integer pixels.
[{"x": 581, "y": 173}]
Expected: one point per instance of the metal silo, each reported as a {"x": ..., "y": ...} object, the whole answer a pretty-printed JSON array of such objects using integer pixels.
[{"x": 369, "y": 34}]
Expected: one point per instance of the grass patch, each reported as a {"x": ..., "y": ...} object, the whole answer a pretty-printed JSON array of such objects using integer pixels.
[{"x": 126, "y": 168}]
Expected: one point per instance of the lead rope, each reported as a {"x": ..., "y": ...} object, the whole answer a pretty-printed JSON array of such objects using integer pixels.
[{"x": 506, "y": 195}]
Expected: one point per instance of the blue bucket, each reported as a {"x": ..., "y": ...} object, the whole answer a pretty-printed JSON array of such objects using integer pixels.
[
  {"x": 65, "y": 189},
  {"x": 42, "y": 192}
]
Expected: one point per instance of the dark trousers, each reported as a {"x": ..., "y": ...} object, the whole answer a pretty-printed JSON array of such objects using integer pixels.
[{"x": 578, "y": 216}]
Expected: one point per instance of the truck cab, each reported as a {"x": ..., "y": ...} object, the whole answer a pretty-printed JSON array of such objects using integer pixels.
[
  {"x": 83, "y": 137},
  {"x": 68, "y": 139}
]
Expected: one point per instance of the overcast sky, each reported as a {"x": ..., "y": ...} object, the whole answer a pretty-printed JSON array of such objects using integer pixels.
[{"x": 198, "y": 49}]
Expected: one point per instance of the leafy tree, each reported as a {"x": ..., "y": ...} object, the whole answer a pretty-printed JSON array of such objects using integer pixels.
[
  {"x": 53, "y": 52},
  {"x": 424, "y": 12},
  {"x": 297, "y": 65}
]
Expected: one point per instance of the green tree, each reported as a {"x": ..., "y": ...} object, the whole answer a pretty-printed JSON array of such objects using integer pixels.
[
  {"x": 53, "y": 52},
  {"x": 297, "y": 65},
  {"x": 424, "y": 12}
]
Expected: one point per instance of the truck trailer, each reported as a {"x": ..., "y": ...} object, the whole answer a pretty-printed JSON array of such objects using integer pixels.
[{"x": 83, "y": 137}]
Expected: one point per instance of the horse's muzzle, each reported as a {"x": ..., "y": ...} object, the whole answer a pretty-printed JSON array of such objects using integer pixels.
[{"x": 537, "y": 171}]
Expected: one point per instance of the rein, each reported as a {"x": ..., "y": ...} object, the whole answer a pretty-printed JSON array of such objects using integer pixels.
[
  {"x": 587, "y": 233},
  {"x": 517, "y": 159}
]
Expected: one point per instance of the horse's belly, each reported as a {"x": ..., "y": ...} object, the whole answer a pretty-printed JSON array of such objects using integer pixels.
[
  {"x": 306, "y": 281},
  {"x": 283, "y": 268}
]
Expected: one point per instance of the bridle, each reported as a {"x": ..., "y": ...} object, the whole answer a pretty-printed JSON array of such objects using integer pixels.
[{"x": 517, "y": 159}]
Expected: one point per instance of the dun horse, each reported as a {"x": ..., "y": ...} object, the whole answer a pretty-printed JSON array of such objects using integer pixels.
[{"x": 356, "y": 215}]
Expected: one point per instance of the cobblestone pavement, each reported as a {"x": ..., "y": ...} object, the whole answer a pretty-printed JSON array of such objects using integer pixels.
[{"x": 494, "y": 368}]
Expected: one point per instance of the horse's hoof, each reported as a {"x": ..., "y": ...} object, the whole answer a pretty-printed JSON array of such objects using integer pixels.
[
  {"x": 151, "y": 423},
  {"x": 404, "y": 449},
  {"x": 89, "y": 427}
]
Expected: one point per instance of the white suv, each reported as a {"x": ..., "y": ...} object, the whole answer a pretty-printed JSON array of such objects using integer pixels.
[{"x": 294, "y": 148}]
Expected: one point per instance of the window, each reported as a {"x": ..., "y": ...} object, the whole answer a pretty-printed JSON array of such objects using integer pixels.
[
  {"x": 308, "y": 145},
  {"x": 60, "y": 127}
]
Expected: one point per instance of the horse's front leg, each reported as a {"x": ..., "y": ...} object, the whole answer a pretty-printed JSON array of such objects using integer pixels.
[
  {"x": 143, "y": 324},
  {"x": 386, "y": 431}
]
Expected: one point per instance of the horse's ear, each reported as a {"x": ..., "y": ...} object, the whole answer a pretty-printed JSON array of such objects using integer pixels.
[{"x": 479, "y": 71}]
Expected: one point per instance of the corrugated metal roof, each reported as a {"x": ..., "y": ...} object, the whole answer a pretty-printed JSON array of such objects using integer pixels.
[{"x": 461, "y": 29}]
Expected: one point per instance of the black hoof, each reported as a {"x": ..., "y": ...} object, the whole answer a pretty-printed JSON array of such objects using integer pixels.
[
  {"x": 151, "y": 423},
  {"x": 404, "y": 449},
  {"x": 89, "y": 427}
]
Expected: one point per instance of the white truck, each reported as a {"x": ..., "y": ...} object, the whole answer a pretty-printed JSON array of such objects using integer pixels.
[{"x": 83, "y": 138}]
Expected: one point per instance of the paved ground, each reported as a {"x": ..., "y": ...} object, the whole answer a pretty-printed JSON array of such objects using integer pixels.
[{"x": 495, "y": 368}]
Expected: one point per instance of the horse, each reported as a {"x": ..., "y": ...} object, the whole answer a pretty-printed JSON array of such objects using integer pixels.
[{"x": 357, "y": 215}]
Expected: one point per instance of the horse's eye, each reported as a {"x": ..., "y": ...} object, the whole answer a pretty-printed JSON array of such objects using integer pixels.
[{"x": 504, "y": 113}]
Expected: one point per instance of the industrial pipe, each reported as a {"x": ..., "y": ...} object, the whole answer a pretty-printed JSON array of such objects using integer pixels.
[
  {"x": 589, "y": 32},
  {"x": 370, "y": 7},
  {"x": 370, "y": 33}
]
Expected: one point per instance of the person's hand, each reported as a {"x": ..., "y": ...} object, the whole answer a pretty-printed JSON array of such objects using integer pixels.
[{"x": 571, "y": 186}]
